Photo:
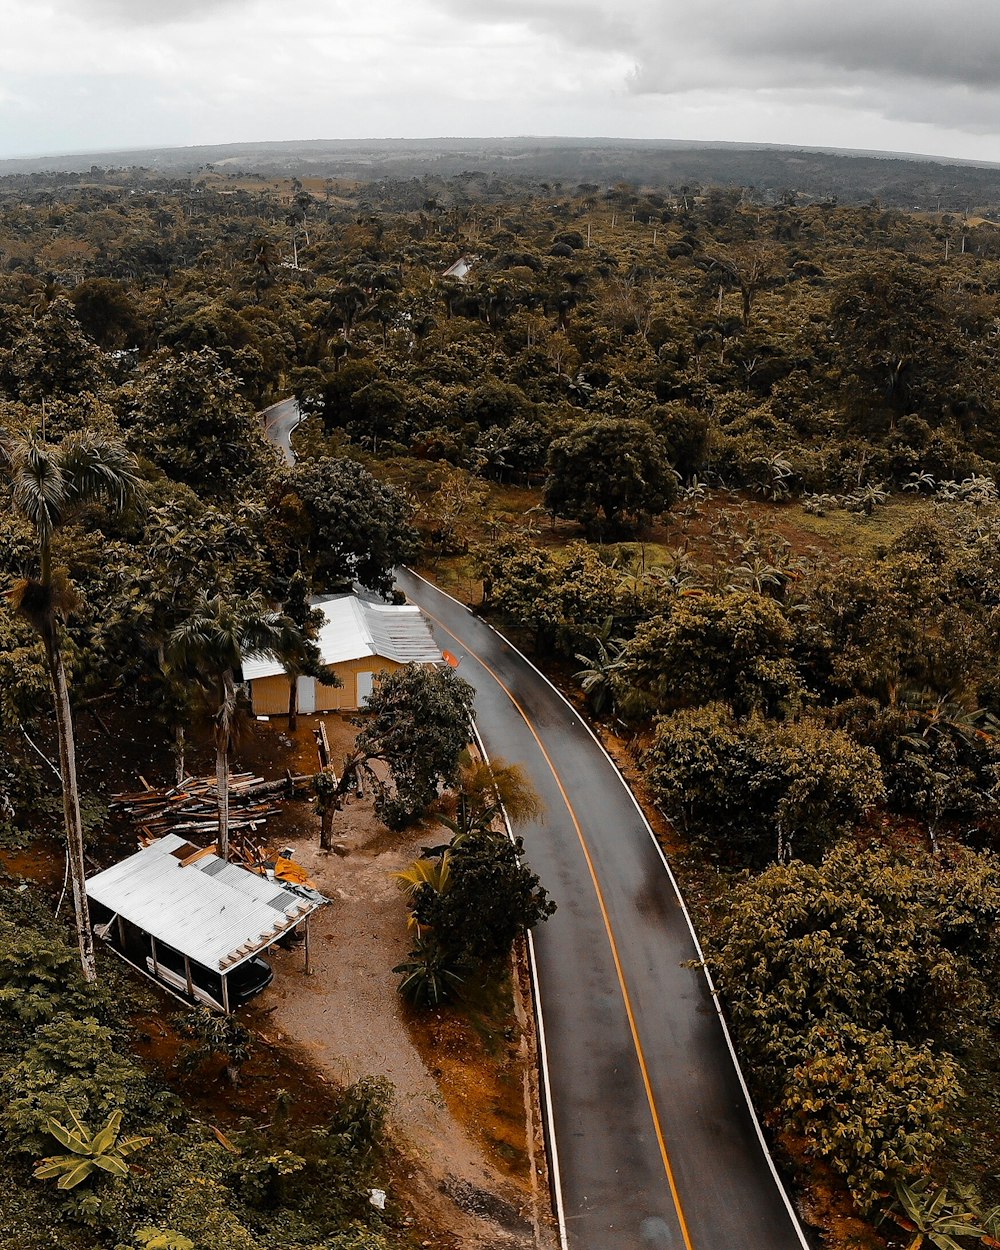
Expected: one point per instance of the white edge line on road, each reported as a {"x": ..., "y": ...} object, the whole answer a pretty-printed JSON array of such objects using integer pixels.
[
  {"x": 680, "y": 899},
  {"x": 543, "y": 1053}
]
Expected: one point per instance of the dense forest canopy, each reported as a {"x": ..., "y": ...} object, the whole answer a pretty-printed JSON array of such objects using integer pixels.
[
  {"x": 897, "y": 180},
  {"x": 724, "y": 457}
]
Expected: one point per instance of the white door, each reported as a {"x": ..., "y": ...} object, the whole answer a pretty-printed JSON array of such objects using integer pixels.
[
  {"x": 365, "y": 683},
  {"x": 307, "y": 694}
]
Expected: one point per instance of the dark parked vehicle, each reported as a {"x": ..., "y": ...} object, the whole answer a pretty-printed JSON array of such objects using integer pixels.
[{"x": 245, "y": 982}]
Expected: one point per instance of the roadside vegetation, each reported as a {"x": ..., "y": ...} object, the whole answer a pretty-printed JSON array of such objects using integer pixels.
[
  {"x": 724, "y": 461},
  {"x": 153, "y": 1158}
]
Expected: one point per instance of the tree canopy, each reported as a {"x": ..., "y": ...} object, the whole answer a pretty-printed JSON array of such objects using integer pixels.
[
  {"x": 419, "y": 722},
  {"x": 611, "y": 475},
  {"x": 348, "y": 525}
]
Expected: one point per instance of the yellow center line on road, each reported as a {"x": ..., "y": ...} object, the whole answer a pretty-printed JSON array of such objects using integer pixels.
[{"x": 647, "y": 1083}]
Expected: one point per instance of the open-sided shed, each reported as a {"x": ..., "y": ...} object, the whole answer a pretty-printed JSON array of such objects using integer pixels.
[{"x": 183, "y": 914}]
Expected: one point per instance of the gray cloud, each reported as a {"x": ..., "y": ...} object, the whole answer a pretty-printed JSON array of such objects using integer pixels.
[
  {"x": 899, "y": 39},
  {"x": 599, "y": 24},
  {"x": 891, "y": 74},
  {"x": 885, "y": 50},
  {"x": 132, "y": 13}
]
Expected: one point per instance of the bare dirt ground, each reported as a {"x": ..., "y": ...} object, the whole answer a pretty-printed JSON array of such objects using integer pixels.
[{"x": 466, "y": 1167}]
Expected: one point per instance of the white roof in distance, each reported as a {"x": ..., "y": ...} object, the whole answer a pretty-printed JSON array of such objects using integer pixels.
[
  {"x": 217, "y": 914},
  {"x": 354, "y": 628},
  {"x": 460, "y": 269}
]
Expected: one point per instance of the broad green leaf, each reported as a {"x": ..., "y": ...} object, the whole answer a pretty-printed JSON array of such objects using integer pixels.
[
  {"x": 105, "y": 1139},
  {"x": 54, "y": 1166},
  {"x": 78, "y": 1174},
  {"x": 79, "y": 1143},
  {"x": 112, "y": 1164}
]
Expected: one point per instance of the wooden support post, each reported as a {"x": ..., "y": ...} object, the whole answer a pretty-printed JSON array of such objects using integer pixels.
[
  {"x": 225, "y": 993},
  {"x": 121, "y": 933},
  {"x": 152, "y": 948},
  {"x": 305, "y": 928},
  {"x": 187, "y": 976},
  {"x": 322, "y": 745}
]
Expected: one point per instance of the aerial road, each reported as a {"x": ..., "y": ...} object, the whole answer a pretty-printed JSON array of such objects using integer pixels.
[
  {"x": 655, "y": 1143},
  {"x": 279, "y": 422}
]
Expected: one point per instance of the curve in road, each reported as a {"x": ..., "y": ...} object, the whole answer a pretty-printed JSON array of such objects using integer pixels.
[
  {"x": 658, "y": 1145},
  {"x": 279, "y": 422}
]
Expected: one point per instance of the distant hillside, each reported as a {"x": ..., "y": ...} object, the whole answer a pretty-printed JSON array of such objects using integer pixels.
[{"x": 904, "y": 181}]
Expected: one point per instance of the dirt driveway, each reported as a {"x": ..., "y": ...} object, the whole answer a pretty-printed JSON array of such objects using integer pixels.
[{"x": 348, "y": 1019}]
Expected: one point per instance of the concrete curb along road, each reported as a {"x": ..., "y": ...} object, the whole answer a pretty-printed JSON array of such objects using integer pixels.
[{"x": 575, "y": 718}]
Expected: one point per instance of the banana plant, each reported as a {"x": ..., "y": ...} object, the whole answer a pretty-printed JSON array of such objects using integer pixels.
[
  {"x": 431, "y": 975},
  {"x": 991, "y": 1228},
  {"x": 104, "y": 1150},
  {"x": 933, "y": 1217}
]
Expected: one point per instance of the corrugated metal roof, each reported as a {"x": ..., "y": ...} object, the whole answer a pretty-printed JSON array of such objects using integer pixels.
[
  {"x": 400, "y": 633},
  {"x": 460, "y": 269},
  {"x": 354, "y": 628},
  {"x": 217, "y": 914}
]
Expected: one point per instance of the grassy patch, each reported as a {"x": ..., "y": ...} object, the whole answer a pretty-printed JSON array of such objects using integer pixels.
[
  {"x": 473, "y": 1048},
  {"x": 853, "y": 533},
  {"x": 456, "y": 575}
]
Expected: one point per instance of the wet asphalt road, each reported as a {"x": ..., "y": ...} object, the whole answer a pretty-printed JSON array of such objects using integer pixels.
[
  {"x": 279, "y": 421},
  {"x": 655, "y": 1145}
]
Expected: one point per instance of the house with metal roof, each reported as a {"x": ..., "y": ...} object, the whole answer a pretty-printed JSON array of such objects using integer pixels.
[
  {"x": 196, "y": 922},
  {"x": 360, "y": 636},
  {"x": 461, "y": 269}
]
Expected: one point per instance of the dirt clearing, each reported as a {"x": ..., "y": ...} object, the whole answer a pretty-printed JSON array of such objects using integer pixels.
[{"x": 459, "y": 1076}]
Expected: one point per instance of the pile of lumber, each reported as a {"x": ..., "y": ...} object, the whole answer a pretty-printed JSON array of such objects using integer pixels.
[{"x": 191, "y": 808}]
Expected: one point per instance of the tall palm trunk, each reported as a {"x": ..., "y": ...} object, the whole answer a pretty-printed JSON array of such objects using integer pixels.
[
  {"x": 223, "y": 740},
  {"x": 293, "y": 703},
  {"x": 71, "y": 801},
  {"x": 222, "y": 788},
  {"x": 45, "y": 481}
]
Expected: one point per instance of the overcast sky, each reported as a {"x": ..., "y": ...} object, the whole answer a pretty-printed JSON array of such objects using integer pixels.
[{"x": 900, "y": 75}]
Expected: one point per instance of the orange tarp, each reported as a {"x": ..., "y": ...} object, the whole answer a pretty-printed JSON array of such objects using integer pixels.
[{"x": 289, "y": 870}]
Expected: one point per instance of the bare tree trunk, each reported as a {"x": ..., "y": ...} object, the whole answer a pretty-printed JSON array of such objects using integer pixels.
[
  {"x": 179, "y": 753},
  {"x": 223, "y": 741},
  {"x": 71, "y": 805},
  {"x": 326, "y": 827}
]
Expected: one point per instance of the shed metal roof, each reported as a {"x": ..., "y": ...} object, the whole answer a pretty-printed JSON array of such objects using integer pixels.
[
  {"x": 354, "y": 628},
  {"x": 217, "y": 914}
]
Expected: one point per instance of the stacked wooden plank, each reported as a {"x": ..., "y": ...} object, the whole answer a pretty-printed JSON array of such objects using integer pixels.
[{"x": 191, "y": 808}]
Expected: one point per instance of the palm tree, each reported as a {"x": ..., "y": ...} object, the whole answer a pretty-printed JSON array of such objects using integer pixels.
[
  {"x": 210, "y": 646},
  {"x": 485, "y": 792},
  {"x": 921, "y": 481},
  {"x": 47, "y": 482},
  {"x": 429, "y": 870}
]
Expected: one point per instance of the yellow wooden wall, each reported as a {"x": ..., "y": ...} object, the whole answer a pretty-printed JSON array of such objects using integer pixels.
[
  {"x": 270, "y": 694},
  {"x": 345, "y": 698}
]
